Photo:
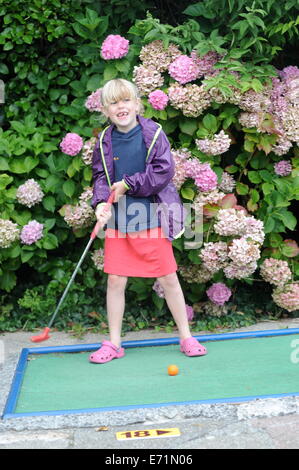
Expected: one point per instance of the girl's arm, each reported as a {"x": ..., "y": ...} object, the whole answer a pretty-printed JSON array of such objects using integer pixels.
[
  {"x": 158, "y": 172},
  {"x": 101, "y": 189}
]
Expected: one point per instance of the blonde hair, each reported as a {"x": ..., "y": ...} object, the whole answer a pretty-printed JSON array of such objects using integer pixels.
[{"x": 119, "y": 89}]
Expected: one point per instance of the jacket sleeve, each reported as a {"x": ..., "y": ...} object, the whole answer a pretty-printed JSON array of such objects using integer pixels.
[
  {"x": 101, "y": 189},
  {"x": 158, "y": 172}
]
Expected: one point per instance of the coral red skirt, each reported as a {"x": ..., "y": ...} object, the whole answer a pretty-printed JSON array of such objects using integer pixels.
[{"x": 147, "y": 253}]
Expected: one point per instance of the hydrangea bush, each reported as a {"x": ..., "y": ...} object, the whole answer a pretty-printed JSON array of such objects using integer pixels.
[
  {"x": 233, "y": 129},
  {"x": 211, "y": 177}
]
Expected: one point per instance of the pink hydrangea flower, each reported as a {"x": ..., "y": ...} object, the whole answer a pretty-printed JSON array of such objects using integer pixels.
[
  {"x": 98, "y": 259},
  {"x": 219, "y": 293},
  {"x": 147, "y": 79},
  {"x": 158, "y": 99},
  {"x": 283, "y": 168},
  {"x": 190, "y": 312},
  {"x": 180, "y": 156},
  {"x": 205, "y": 63},
  {"x": 214, "y": 255},
  {"x": 276, "y": 271},
  {"x": 155, "y": 55},
  {"x": 220, "y": 143},
  {"x": 114, "y": 47},
  {"x": 287, "y": 297},
  {"x": 158, "y": 289},
  {"x": 93, "y": 102},
  {"x": 32, "y": 232},
  {"x": 282, "y": 146},
  {"x": 71, "y": 144},
  {"x": 183, "y": 69},
  {"x": 191, "y": 99},
  {"x": 289, "y": 73},
  {"x": 206, "y": 180},
  {"x": 9, "y": 233},
  {"x": 29, "y": 193}
]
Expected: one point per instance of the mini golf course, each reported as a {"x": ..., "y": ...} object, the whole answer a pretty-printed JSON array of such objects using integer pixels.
[{"x": 238, "y": 367}]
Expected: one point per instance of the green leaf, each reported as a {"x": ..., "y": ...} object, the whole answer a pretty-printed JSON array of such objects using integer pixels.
[
  {"x": 267, "y": 188},
  {"x": 194, "y": 10},
  {"x": 17, "y": 166},
  {"x": 63, "y": 80},
  {"x": 265, "y": 143},
  {"x": 94, "y": 82},
  {"x": 52, "y": 183},
  {"x": 72, "y": 111},
  {"x": 187, "y": 193},
  {"x": 210, "y": 123},
  {"x": 283, "y": 187},
  {"x": 110, "y": 72},
  {"x": 269, "y": 224},
  {"x": 14, "y": 251},
  {"x": 49, "y": 203},
  {"x": 232, "y": 169},
  {"x": 178, "y": 244},
  {"x": 8, "y": 280},
  {"x": 278, "y": 200},
  {"x": 49, "y": 242},
  {"x": 92, "y": 20},
  {"x": 22, "y": 217},
  {"x": 288, "y": 219},
  {"x": 8, "y": 46},
  {"x": 122, "y": 66},
  {"x": 254, "y": 195},
  {"x": 202, "y": 132},
  {"x": 254, "y": 177},
  {"x": 87, "y": 173},
  {"x": 249, "y": 145},
  {"x": 287, "y": 251},
  {"x": 5, "y": 180},
  {"x": 49, "y": 223},
  {"x": 81, "y": 30},
  {"x": 275, "y": 239},
  {"x": 259, "y": 161},
  {"x": 158, "y": 301},
  {"x": 242, "y": 188},
  {"x": 188, "y": 126},
  {"x": 26, "y": 256},
  {"x": 4, "y": 69},
  {"x": 18, "y": 126},
  {"x": 69, "y": 188},
  {"x": 30, "y": 163},
  {"x": 42, "y": 172},
  {"x": 4, "y": 164},
  {"x": 54, "y": 94},
  {"x": 266, "y": 175}
]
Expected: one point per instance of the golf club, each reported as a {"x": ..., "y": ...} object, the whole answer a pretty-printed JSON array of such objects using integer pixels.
[{"x": 45, "y": 333}]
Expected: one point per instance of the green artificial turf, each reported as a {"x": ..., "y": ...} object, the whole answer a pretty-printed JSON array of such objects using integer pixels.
[{"x": 232, "y": 368}]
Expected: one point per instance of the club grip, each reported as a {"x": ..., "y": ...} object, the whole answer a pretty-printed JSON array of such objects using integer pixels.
[{"x": 98, "y": 225}]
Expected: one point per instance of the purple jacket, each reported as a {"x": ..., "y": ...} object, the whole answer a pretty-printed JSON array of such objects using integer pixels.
[{"x": 155, "y": 181}]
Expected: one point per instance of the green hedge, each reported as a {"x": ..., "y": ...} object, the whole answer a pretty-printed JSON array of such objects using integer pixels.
[{"x": 51, "y": 63}]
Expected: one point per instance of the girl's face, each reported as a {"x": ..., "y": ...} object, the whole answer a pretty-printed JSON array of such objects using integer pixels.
[{"x": 123, "y": 113}]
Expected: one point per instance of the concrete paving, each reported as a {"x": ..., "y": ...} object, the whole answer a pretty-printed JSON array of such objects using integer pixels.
[{"x": 271, "y": 423}]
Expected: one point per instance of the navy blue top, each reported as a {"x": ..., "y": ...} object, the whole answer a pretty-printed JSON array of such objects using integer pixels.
[{"x": 131, "y": 213}]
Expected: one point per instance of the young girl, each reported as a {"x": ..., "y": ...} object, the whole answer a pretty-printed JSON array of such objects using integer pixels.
[{"x": 132, "y": 158}]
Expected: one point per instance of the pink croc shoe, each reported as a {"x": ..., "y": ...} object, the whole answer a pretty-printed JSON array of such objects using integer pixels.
[
  {"x": 106, "y": 353},
  {"x": 191, "y": 347}
]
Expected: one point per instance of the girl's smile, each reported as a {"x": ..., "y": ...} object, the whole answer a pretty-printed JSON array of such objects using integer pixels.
[{"x": 123, "y": 114}]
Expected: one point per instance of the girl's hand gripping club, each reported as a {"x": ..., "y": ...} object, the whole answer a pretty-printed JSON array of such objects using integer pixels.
[{"x": 100, "y": 223}]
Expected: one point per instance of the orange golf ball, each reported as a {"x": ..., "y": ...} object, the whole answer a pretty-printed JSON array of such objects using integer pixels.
[{"x": 172, "y": 369}]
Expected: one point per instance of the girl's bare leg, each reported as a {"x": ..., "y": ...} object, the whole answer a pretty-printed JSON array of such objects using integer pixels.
[
  {"x": 115, "y": 297},
  {"x": 176, "y": 303}
]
